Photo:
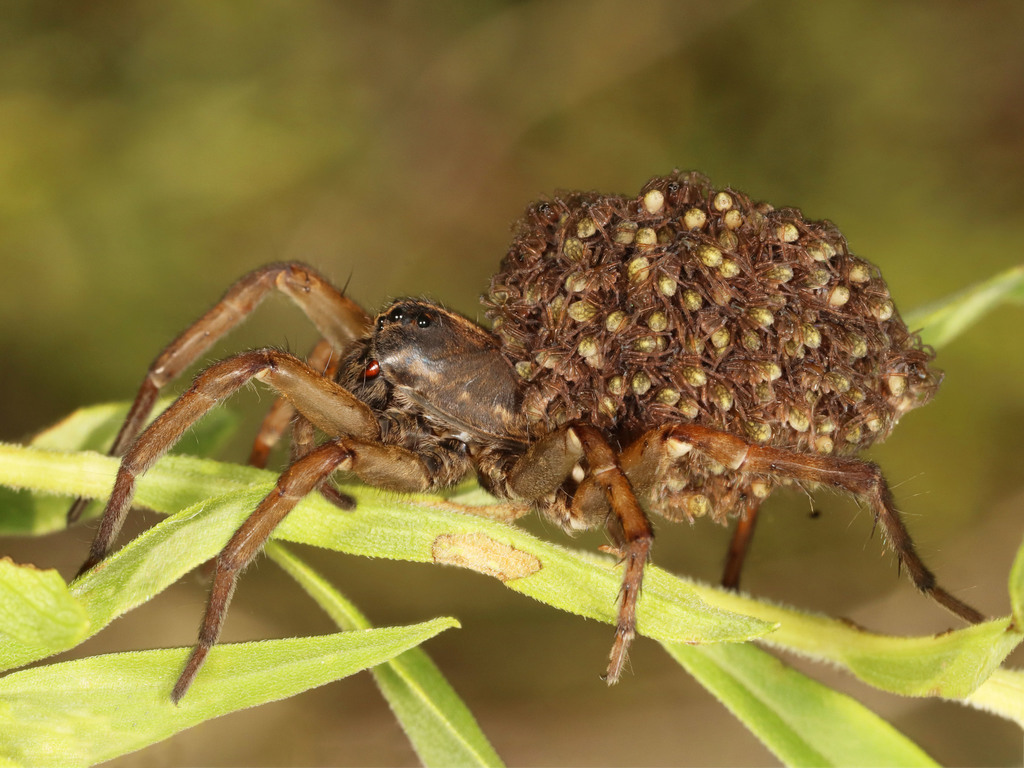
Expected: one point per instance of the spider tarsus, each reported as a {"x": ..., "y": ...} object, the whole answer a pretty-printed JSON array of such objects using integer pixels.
[
  {"x": 955, "y": 606},
  {"x": 620, "y": 653},
  {"x": 88, "y": 565},
  {"x": 634, "y": 557},
  {"x": 188, "y": 675}
]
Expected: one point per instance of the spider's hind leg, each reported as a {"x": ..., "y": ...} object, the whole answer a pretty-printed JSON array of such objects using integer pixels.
[
  {"x": 742, "y": 535},
  {"x": 860, "y": 478}
]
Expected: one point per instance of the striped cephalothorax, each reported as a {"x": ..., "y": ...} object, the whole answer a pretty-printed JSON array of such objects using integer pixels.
[{"x": 680, "y": 352}]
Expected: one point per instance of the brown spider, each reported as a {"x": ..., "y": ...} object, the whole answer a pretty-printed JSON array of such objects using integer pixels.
[{"x": 681, "y": 352}]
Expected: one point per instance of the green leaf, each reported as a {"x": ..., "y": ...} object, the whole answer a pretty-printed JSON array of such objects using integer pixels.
[
  {"x": 946, "y": 319},
  {"x": 1002, "y": 694},
  {"x": 92, "y": 429},
  {"x": 38, "y": 616},
  {"x": 800, "y": 720},
  {"x": 177, "y": 482},
  {"x": 952, "y": 664},
  {"x": 580, "y": 583},
  {"x": 441, "y": 728},
  {"x": 1017, "y": 588},
  {"x": 216, "y": 498},
  {"x": 159, "y": 557},
  {"x": 417, "y": 528},
  {"x": 86, "y": 711},
  {"x": 426, "y": 529}
]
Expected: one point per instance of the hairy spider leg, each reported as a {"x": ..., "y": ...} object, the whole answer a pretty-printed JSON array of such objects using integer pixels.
[
  {"x": 861, "y": 478},
  {"x": 282, "y": 414},
  {"x": 386, "y": 466},
  {"x": 630, "y": 525},
  {"x": 303, "y": 443},
  {"x": 323, "y": 358},
  {"x": 323, "y": 404},
  {"x": 326, "y": 404},
  {"x": 339, "y": 319},
  {"x": 605, "y": 489},
  {"x": 740, "y": 543},
  {"x": 294, "y": 484}
]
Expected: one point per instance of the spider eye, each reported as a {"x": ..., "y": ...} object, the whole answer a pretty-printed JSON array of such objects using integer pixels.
[
  {"x": 372, "y": 369},
  {"x": 423, "y": 321},
  {"x": 396, "y": 315}
]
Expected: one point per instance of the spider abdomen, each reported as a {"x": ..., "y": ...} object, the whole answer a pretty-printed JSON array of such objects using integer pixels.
[{"x": 696, "y": 305}]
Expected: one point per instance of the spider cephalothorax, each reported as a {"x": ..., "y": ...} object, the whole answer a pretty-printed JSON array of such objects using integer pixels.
[{"x": 682, "y": 351}]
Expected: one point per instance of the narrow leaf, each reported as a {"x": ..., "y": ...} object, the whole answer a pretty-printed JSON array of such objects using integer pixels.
[
  {"x": 89, "y": 429},
  {"x": 38, "y": 616},
  {"x": 94, "y": 427},
  {"x": 800, "y": 720},
  {"x": 86, "y": 711},
  {"x": 143, "y": 568},
  {"x": 952, "y": 664},
  {"x": 1002, "y": 694},
  {"x": 173, "y": 484},
  {"x": 153, "y": 561},
  {"x": 1017, "y": 589},
  {"x": 440, "y": 727},
  {"x": 417, "y": 528},
  {"x": 947, "y": 318},
  {"x": 429, "y": 530}
]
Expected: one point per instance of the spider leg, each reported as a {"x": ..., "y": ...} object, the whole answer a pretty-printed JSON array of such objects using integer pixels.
[
  {"x": 860, "y": 478},
  {"x": 304, "y": 443},
  {"x": 740, "y": 543},
  {"x": 606, "y": 489},
  {"x": 325, "y": 404},
  {"x": 629, "y": 524},
  {"x": 272, "y": 428},
  {"x": 391, "y": 467},
  {"x": 338, "y": 318},
  {"x": 323, "y": 358},
  {"x": 296, "y": 482},
  {"x": 545, "y": 465},
  {"x": 282, "y": 414}
]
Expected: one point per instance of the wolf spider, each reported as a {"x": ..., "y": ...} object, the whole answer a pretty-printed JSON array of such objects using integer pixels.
[{"x": 419, "y": 396}]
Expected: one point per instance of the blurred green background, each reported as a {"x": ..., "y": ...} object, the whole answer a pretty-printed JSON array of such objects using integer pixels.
[{"x": 151, "y": 153}]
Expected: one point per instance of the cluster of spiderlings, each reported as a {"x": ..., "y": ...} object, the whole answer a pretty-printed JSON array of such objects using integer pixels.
[{"x": 693, "y": 304}]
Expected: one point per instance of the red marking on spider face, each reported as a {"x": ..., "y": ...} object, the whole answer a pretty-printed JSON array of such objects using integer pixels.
[{"x": 372, "y": 369}]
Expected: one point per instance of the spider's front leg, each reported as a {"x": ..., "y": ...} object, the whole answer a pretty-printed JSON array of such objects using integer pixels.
[
  {"x": 339, "y": 319},
  {"x": 390, "y": 467},
  {"x": 282, "y": 414},
  {"x": 325, "y": 404},
  {"x": 322, "y": 403},
  {"x": 296, "y": 482},
  {"x": 325, "y": 360}
]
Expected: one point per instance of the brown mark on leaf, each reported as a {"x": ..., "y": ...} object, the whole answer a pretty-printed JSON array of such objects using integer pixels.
[{"x": 483, "y": 554}]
